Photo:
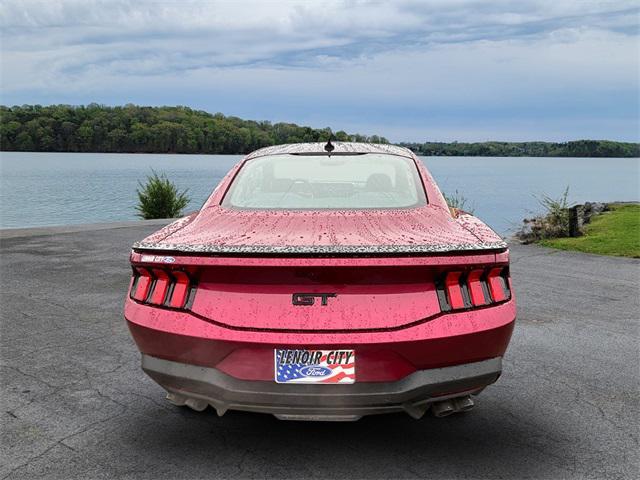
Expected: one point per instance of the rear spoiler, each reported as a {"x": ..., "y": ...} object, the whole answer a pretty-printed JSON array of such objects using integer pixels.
[
  {"x": 149, "y": 255},
  {"x": 320, "y": 250}
]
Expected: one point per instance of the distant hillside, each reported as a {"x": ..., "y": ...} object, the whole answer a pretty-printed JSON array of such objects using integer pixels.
[
  {"x": 135, "y": 129},
  {"x": 578, "y": 148},
  {"x": 97, "y": 128}
]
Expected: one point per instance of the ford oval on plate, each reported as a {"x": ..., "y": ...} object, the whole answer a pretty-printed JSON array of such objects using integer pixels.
[{"x": 315, "y": 366}]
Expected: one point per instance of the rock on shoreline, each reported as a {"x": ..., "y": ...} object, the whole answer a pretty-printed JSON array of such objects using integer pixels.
[{"x": 562, "y": 222}]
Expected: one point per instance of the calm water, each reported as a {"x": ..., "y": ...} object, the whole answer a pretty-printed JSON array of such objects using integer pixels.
[{"x": 38, "y": 189}]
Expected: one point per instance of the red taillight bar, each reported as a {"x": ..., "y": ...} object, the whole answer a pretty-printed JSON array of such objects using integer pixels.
[
  {"x": 496, "y": 285},
  {"x": 454, "y": 292},
  {"x": 160, "y": 287},
  {"x": 141, "y": 284},
  {"x": 457, "y": 290},
  {"x": 475, "y": 288},
  {"x": 170, "y": 288},
  {"x": 180, "y": 290}
]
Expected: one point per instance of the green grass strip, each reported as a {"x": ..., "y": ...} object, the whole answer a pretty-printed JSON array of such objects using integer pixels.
[{"x": 616, "y": 232}]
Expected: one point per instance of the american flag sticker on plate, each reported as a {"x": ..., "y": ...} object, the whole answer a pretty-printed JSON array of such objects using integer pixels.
[{"x": 315, "y": 366}]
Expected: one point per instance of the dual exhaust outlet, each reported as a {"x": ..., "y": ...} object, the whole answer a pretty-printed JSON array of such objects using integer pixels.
[
  {"x": 439, "y": 409},
  {"x": 455, "y": 405}
]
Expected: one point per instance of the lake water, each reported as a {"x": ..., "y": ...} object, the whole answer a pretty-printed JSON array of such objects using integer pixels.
[{"x": 38, "y": 189}]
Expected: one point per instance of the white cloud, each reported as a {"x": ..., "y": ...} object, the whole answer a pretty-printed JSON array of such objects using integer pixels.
[{"x": 428, "y": 58}]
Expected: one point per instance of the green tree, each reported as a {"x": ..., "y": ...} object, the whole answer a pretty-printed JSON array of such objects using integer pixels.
[{"x": 132, "y": 128}]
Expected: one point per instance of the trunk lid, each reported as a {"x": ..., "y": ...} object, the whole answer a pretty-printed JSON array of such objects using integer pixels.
[
  {"x": 428, "y": 229},
  {"x": 316, "y": 298}
]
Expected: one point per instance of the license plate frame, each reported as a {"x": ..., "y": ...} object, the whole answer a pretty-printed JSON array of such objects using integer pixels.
[{"x": 314, "y": 366}]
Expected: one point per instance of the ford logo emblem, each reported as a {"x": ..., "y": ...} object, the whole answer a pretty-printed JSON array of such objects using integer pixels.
[{"x": 315, "y": 371}]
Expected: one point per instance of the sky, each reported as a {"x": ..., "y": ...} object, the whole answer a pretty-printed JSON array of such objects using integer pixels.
[{"x": 431, "y": 70}]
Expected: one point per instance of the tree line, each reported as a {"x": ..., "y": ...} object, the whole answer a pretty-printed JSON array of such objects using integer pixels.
[
  {"x": 578, "y": 148},
  {"x": 136, "y": 129}
]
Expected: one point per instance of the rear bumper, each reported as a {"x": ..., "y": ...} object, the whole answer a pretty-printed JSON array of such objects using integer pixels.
[
  {"x": 412, "y": 394},
  {"x": 454, "y": 339}
]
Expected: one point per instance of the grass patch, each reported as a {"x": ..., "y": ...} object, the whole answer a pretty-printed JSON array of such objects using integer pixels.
[{"x": 616, "y": 232}]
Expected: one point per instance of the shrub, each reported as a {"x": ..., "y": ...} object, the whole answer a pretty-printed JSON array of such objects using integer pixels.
[
  {"x": 556, "y": 219},
  {"x": 457, "y": 201},
  {"x": 553, "y": 223},
  {"x": 159, "y": 198}
]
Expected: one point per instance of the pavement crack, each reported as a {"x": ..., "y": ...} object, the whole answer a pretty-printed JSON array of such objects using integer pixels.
[
  {"x": 61, "y": 442},
  {"x": 29, "y": 375},
  {"x": 579, "y": 398},
  {"x": 57, "y": 347}
]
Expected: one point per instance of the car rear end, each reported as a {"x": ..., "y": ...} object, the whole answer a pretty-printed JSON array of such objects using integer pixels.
[
  {"x": 323, "y": 313},
  {"x": 417, "y": 330}
]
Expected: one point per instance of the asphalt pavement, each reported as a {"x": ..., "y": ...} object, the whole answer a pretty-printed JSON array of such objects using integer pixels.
[{"x": 75, "y": 404}]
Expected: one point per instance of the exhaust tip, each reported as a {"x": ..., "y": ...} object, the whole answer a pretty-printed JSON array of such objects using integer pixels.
[
  {"x": 443, "y": 409},
  {"x": 464, "y": 404},
  {"x": 196, "y": 404},
  {"x": 176, "y": 399}
]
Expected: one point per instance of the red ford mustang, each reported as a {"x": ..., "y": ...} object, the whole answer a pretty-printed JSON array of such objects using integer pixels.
[{"x": 323, "y": 282}]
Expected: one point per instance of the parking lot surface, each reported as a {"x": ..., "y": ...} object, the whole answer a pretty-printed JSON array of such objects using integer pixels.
[{"x": 75, "y": 403}]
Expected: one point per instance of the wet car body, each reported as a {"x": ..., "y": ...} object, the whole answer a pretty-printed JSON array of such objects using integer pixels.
[{"x": 325, "y": 313}]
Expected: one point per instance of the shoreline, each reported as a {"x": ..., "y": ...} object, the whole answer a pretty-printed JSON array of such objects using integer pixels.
[
  {"x": 17, "y": 232},
  {"x": 244, "y": 154}
]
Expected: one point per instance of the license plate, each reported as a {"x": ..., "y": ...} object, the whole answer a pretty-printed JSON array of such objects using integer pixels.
[{"x": 315, "y": 366}]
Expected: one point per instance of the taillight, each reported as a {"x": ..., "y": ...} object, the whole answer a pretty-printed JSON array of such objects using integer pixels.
[
  {"x": 477, "y": 288},
  {"x": 459, "y": 289},
  {"x": 141, "y": 284},
  {"x": 181, "y": 290},
  {"x": 157, "y": 286},
  {"x": 160, "y": 287},
  {"x": 498, "y": 284},
  {"x": 454, "y": 290}
]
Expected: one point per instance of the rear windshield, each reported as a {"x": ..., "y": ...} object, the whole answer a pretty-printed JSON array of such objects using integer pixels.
[{"x": 321, "y": 182}]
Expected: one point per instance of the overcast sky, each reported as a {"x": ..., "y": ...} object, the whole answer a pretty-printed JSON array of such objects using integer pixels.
[{"x": 409, "y": 70}]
